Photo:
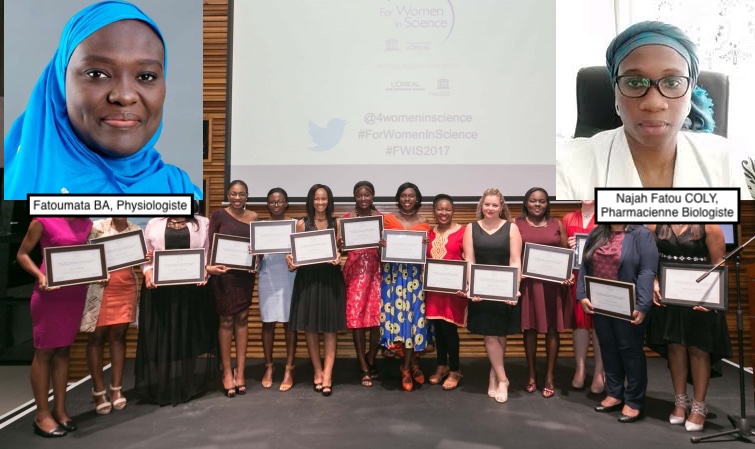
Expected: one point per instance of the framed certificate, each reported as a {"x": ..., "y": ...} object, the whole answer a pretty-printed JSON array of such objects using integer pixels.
[
  {"x": 494, "y": 282},
  {"x": 77, "y": 264},
  {"x": 123, "y": 250},
  {"x": 579, "y": 250},
  {"x": 549, "y": 263},
  {"x": 312, "y": 247},
  {"x": 269, "y": 237},
  {"x": 445, "y": 276},
  {"x": 404, "y": 246},
  {"x": 361, "y": 232},
  {"x": 679, "y": 286},
  {"x": 611, "y": 298},
  {"x": 179, "y": 266},
  {"x": 231, "y": 251}
]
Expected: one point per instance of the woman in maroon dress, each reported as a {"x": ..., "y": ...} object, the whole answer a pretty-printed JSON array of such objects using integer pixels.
[
  {"x": 446, "y": 311},
  {"x": 546, "y": 306},
  {"x": 55, "y": 316},
  {"x": 362, "y": 276},
  {"x": 232, "y": 289},
  {"x": 582, "y": 221}
]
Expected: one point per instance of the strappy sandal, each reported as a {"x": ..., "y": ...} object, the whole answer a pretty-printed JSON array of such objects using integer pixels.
[
  {"x": 366, "y": 379},
  {"x": 104, "y": 408},
  {"x": 417, "y": 374},
  {"x": 452, "y": 381},
  {"x": 503, "y": 396},
  {"x": 289, "y": 369},
  {"x": 440, "y": 373},
  {"x": 120, "y": 403},
  {"x": 267, "y": 383},
  {"x": 531, "y": 387},
  {"x": 548, "y": 392},
  {"x": 371, "y": 366},
  {"x": 406, "y": 379},
  {"x": 241, "y": 389},
  {"x": 229, "y": 392}
]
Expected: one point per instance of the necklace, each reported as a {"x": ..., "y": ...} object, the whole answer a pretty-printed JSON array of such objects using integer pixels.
[
  {"x": 409, "y": 214},
  {"x": 541, "y": 225},
  {"x": 356, "y": 212},
  {"x": 176, "y": 224}
]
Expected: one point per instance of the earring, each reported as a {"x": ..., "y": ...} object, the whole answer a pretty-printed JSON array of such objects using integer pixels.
[{"x": 616, "y": 106}]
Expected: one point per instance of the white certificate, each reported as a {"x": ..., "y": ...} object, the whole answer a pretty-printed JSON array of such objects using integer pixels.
[
  {"x": 231, "y": 251},
  {"x": 548, "y": 263},
  {"x": 404, "y": 246},
  {"x": 361, "y": 232},
  {"x": 78, "y": 264},
  {"x": 123, "y": 250},
  {"x": 679, "y": 286},
  {"x": 612, "y": 298},
  {"x": 313, "y": 247},
  {"x": 494, "y": 282},
  {"x": 445, "y": 276},
  {"x": 179, "y": 266},
  {"x": 269, "y": 237}
]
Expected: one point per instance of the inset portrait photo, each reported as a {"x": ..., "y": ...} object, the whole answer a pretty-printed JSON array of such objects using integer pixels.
[{"x": 102, "y": 97}]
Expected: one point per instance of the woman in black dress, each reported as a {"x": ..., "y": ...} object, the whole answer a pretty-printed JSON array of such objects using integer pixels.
[
  {"x": 232, "y": 289},
  {"x": 693, "y": 339},
  {"x": 318, "y": 304}
]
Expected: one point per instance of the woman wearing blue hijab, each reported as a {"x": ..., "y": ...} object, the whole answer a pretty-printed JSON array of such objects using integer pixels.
[
  {"x": 95, "y": 114},
  {"x": 666, "y": 139}
]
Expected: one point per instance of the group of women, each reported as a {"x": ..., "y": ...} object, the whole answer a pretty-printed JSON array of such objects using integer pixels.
[{"x": 184, "y": 329}]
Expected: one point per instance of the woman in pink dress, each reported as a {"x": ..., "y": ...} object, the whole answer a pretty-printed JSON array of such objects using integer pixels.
[
  {"x": 55, "y": 316},
  {"x": 362, "y": 276},
  {"x": 547, "y": 307},
  {"x": 446, "y": 311},
  {"x": 582, "y": 221}
]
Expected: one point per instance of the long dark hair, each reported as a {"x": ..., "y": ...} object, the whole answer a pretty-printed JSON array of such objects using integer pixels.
[
  {"x": 310, "y": 207},
  {"x": 664, "y": 231},
  {"x": 527, "y": 199},
  {"x": 367, "y": 185},
  {"x": 409, "y": 185},
  {"x": 599, "y": 237}
]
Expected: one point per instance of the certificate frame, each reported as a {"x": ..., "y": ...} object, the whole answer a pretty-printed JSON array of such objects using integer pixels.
[
  {"x": 255, "y": 243},
  {"x": 508, "y": 295},
  {"x": 722, "y": 273},
  {"x": 124, "y": 235},
  {"x": 299, "y": 236},
  {"x": 580, "y": 239},
  {"x": 460, "y": 265},
  {"x": 50, "y": 270},
  {"x": 396, "y": 232},
  {"x": 233, "y": 238},
  {"x": 631, "y": 291},
  {"x": 346, "y": 221},
  {"x": 563, "y": 275},
  {"x": 195, "y": 252}
]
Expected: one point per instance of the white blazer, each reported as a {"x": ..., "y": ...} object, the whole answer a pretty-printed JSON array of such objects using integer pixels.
[{"x": 604, "y": 160}]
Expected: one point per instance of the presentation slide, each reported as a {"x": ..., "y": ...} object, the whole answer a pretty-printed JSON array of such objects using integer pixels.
[{"x": 455, "y": 96}]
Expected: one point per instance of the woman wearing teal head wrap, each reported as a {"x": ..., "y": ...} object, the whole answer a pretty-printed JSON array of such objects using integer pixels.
[
  {"x": 666, "y": 138},
  {"x": 95, "y": 114}
]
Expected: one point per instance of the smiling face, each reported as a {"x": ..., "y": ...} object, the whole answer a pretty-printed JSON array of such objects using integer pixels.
[
  {"x": 363, "y": 198},
  {"x": 237, "y": 196},
  {"x": 491, "y": 206},
  {"x": 115, "y": 88},
  {"x": 321, "y": 200},
  {"x": 653, "y": 120},
  {"x": 276, "y": 204},
  {"x": 407, "y": 200},
  {"x": 536, "y": 204},
  {"x": 443, "y": 212}
]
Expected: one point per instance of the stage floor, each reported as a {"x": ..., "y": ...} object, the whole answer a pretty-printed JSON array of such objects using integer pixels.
[{"x": 386, "y": 417}]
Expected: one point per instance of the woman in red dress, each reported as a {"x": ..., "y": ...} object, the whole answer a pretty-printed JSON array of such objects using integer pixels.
[
  {"x": 362, "y": 276},
  {"x": 447, "y": 311},
  {"x": 582, "y": 221}
]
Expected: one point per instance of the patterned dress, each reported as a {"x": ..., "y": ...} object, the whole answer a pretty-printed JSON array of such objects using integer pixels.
[
  {"x": 362, "y": 275},
  {"x": 446, "y": 306},
  {"x": 573, "y": 224},
  {"x": 402, "y": 319}
]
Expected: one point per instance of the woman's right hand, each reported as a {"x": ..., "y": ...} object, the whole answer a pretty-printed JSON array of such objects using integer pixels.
[
  {"x": 290, "y": 262},
  {"x": 572, "y": 242},
  {"x": 216, "y": 270},
  {"x": 148, "y": 280},
  {"x": 587, "y": 306},
  {"x": 43, "y": 287},
  {"x": 657, "y": 294}
]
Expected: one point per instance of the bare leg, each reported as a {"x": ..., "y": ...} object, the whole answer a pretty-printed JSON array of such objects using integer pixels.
[
  {"x": 581, "y": 339},
  {"x": 598, "y": 377},
  {"x": 530, "y": 350},
  {"x": 39, "y": 375},
  {"x": 59, "y": 376},
  {"x": 313, "y": 346},
  {"x": 268, "y": 337},
  {"x": 374, "y": 340},
  {"x": 331, "y": 338},
  {"x": 241, "y": 333},
  {"x": 225, "y": 335},
  {"x": 360, "y": 341},
  {"x": 552, "y": 342},
  {"x": 496, "y": 348},
  {"x": 677, "y": 360},
  {"x": 117, "y": 337},
  {"x": 95, "y": 346},
  {"x": 700, "y": 367},
  {"x": 288, "y": 375}
]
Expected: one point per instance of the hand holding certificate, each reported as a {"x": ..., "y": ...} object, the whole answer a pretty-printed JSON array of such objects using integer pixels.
[
  {"x": 445, "y": 276},
  {"x": 404, "y": 246},
  {"x": 611, "y": 298},
  {"x": 231, "y": 252},
  {"x": 78, "y": 264},
  {"x": 269, "y": 237},
  {"x": 179, "y": 266},
  {"x": 361, "y": 232},
  {"x": 123, "y": 250},
  {"x": 313, "y": 247},
  {"x": 679, "y": 286},
  {"x": 548, "y": 263},
  {"x": 494, "y": 283}
]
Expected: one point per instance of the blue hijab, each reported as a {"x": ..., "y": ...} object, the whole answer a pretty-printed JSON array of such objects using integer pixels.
[
  {"x": 649, "y": 33},
  {"x": 44, "y": 155}
]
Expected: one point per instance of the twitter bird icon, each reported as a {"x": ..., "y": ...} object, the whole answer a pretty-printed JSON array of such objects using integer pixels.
[{"x": 328, "y": 137}]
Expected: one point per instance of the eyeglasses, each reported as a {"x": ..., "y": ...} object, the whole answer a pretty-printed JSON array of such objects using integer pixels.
[
  {"x": 276, "y": 203},
  {"x": 635, "y": 86},
  {"x": 237, "y": 195}
]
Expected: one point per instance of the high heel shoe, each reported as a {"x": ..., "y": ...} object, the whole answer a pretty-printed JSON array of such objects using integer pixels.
[
  {"x": 267, "y": 383},
  {"x": 289, "y": 369},
  {"x": 241, "y": 389},
  {"x": 229, "y": 392},
  {"x": 57, "y": 432},
  {"x": 492, "y": 386},
  {"x": 700, "y": 409},
  {"x": 417, "y": 374},
  {"x": 406, "y": 379},
  {"x": 440, "y": 373},
  {"x": 104, "y": 408},
  {"x": 680, "y": 400},
  {"x": 502, "y": 397},
  {"x": 120, "y": 403}
]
